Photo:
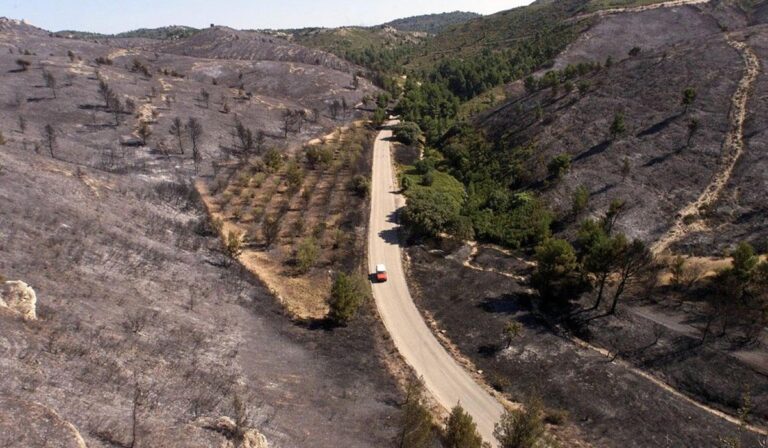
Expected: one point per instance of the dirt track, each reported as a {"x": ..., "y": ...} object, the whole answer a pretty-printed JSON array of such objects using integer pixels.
[
  {"x": 732, "y": 150},
  {"x": 670, "y": 4}
]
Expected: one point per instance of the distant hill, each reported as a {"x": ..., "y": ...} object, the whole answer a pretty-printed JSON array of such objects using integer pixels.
[
  {"x": 166, "y": 32},
  {"x": 163, "y": 33},
  {"x": 431, "y": 23}
]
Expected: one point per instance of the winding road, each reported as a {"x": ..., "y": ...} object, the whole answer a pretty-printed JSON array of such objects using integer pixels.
[{"x": 448, "y": 382}]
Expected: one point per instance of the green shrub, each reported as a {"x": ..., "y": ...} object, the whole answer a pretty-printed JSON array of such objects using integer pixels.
[
  {"x": 618, "y": 126},
  {"x": 273, "y": 159},
  {"x": 428, "y": 179},
  {"x": 522, "y": 428},
  {"x": 424, "y": 166},
  {"x": 559, "y": 165},
  {"x": 556, "y": 269},
  {"x": 319, "y": 156},
  {"x": 407, "y": 133},
  {"x": 379, "y": 116},
  {"x": 307, "y": 254},
  {"x": 361, "y": 185},
  {"x": 347, "y": 294},
  {"x": 406, "y": 183},
  {"x": 294, "y": 176},
  {"x": 430, "y": 212},
  {"x": 580, "y": 200},
  {"x": 234, "y": 244},
  {"x": 461, "y": 430}
]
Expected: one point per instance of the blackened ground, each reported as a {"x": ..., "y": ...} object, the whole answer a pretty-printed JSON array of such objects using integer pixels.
[
  {"x": 116, "y": 261},
  {"x": 611, "y": 405}
]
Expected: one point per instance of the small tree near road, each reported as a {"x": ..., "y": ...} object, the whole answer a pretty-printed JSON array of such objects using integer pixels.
[
  {"x": 416, "y": 426},
  {"x": 347, "y": 294},
  {"x": 379, "y": 116},
  {"x": 461, "y": 430},
  {"x": 522, "y": 428}
]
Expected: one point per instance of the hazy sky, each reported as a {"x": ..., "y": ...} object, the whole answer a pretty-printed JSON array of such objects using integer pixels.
[{"x": 114, "y": 16}]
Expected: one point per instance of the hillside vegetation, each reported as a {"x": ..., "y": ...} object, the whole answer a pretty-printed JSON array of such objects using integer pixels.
[
  {"x": 431, "y": 23},
  {"x": 165, "y": 32}
]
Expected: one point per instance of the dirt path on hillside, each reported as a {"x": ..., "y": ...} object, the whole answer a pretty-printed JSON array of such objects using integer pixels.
[
  {"x": 474, "y": 251},
  {"x": 732, "y": 150},
  {"x": 660, "y": 383},
  {"x": 670, "y": 4}
]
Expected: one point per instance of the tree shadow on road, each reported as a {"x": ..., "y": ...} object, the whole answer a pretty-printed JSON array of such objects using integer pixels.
[{"x": 391, "y": 236}]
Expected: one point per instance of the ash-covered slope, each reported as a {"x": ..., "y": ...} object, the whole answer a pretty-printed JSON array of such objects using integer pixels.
[
  {"x": 134, "y": 295},
  {"x": 226, "y": 43},
  {"x": 667, "y": 154}
]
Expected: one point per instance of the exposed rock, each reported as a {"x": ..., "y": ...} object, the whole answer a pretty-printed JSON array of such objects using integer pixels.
[
  {"x": 236, "y": 437},
  {"x": 254, "y": 439},
  {"x": 20, "y": 298}
]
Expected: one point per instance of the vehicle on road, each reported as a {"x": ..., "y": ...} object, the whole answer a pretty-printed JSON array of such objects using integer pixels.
[{"x": 381, "y": 273}]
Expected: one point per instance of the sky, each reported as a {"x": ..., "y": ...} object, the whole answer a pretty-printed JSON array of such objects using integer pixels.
[{"x": 114, "y": 16}]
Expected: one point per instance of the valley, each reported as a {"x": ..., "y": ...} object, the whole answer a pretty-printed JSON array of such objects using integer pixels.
[{"x": 568, "y": 198}]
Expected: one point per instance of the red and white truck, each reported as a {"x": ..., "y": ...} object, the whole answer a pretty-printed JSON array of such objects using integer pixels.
[{"x": 381, "y": 273}]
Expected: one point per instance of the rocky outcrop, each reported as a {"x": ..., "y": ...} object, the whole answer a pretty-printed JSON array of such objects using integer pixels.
[
  {"x": 20, "y": 298},
  {"x": 237, "y": 437},
  {"x": 26, "y": 423}
]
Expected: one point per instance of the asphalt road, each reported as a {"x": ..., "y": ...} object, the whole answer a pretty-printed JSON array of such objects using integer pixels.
[{"x": 448, "y": 382}]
